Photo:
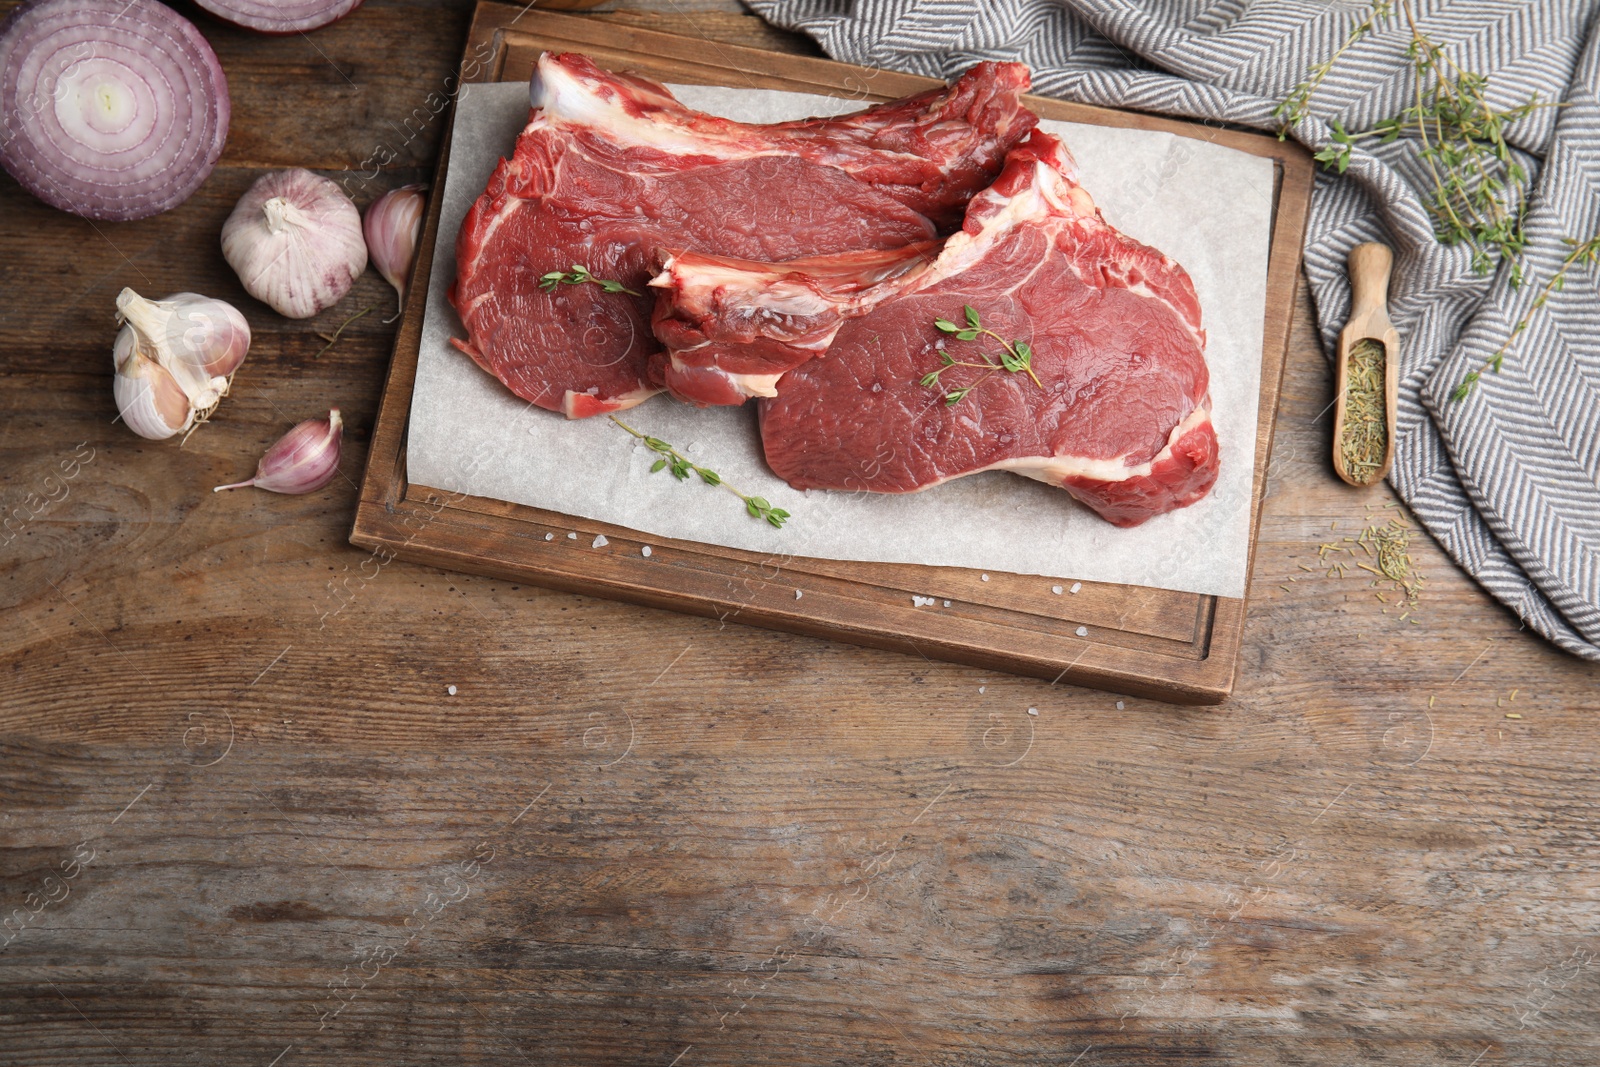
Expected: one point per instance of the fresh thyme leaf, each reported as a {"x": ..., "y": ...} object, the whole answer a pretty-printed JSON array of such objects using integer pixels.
[
  {"x": 946, "y": 325},
  {"x": 972, "y": 317},
  {"x": 578, "y": 276},
  {"x": 680, "y": 467}
]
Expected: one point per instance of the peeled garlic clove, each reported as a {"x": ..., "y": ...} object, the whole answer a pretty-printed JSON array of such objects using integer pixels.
[
  {"x": 392, "y": 226},
  {"x": 295, "y": 241},
  {"x": 302, "y": 461},
  {"x": 173, "y": 358},
  {"x": 150, "y": 400}
]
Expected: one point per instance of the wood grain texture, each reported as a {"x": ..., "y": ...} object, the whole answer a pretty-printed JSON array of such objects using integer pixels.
[
  {"x": 648, "y": 837},
  {"x": 1002, "y": 622}
]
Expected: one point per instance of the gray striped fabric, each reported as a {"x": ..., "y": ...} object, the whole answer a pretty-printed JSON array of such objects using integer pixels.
[{"x": 1508, "y": 481}]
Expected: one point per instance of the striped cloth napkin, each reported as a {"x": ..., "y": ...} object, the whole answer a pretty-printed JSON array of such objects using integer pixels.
[{"x": 1508, "y": 480}]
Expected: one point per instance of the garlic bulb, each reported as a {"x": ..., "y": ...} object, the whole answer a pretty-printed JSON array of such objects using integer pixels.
[
  {"x": 295, "y": 241},
  {"x": 392, "y": 225},
  {"x": 302, "y": 461},
  {"x": 173, "y": 360}
]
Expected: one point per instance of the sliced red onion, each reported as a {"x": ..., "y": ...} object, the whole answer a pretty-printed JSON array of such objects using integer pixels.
[
  {"x": 280, "y": 16},
  {"x": 109, "y": 109}
]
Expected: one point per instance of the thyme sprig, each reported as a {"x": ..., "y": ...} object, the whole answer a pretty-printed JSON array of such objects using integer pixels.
[
  {"x": 578, "y": 275},
  {"x": 1478, "y": 190},
  {"x": 682, "y": 466},
  {"x": 1016, "y": 357},
  {"x": 333, "y": 338},
  {"x": 1584, "y": 252},
  {"x": 1297, "y": 105},
  {"x": 1479, "y": 193}
]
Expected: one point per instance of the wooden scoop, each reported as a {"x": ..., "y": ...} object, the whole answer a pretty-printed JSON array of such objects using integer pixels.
[{"x": 1369, "y": 321}]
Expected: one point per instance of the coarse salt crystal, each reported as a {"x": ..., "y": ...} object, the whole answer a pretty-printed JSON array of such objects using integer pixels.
[
  {"x": 986, "y": 577},
  {"x": 572, "y": 537},
  {"x": 1033, "y": 711},
  {"x": 947, "y": 603},
  {"x": 599, "y": 541},
  {"x": 451, "y": 690},
  {"x": 1075, "y": 587},
  {"x": 1119, "y": 705},
  {"x": 645, "y": 552},
  {"x": 982, "y": 688},
  {"x": 923, "y": 601},
  {"x": 1056, "y": 589},
  {"x": 549, "y": 537},
  {"x": 1083, "y": 631},
  {"x": 798, "y": 594}
]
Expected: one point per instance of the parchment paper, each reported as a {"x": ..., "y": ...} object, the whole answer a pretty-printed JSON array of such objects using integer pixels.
[{"x": 1207, "y": 206}]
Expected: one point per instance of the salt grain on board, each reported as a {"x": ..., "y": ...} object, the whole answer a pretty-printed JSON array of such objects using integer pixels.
[
  {"x": 645, "y": 552},
  {"x": 549, "y": 537},
  {"x": 1119, "y": 705},
  {"x": 798, "y": 594},
  {"x": 1056, "y": 589},
  {"x": 923, "y": 601},
  {"x": 947, "y": 603},
  {"x": 1033, "y": 711},
  {"x": 1083, "y": 631},
  {"x": 572, "y": 537},
  {"x": 986, "y": 577},
  {"x": 599, "y": 541},
  {"x": 451, "y": 690},
  {"x": 1075, "y": 587}
]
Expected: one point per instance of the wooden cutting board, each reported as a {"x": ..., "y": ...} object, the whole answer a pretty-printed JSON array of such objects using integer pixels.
[{"x": 1180, "y": 647}]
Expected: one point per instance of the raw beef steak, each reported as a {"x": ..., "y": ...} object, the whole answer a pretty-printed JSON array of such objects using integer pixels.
[
  {"x": 736, "y": 326},
  {"x": 610, "y": 166},
  {"x": 1114, "y": 406}
]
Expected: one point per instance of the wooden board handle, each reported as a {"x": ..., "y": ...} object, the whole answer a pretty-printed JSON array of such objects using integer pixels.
[{"x": 1369, "y": 278}]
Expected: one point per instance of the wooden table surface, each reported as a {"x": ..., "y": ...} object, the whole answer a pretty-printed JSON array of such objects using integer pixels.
[{"x": 235, "y": 829}]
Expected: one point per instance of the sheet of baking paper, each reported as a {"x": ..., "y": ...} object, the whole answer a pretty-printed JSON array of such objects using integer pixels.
[{"x": 1206, "y": 206}]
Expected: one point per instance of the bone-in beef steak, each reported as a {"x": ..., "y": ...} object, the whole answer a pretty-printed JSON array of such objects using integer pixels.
[
  {"x": 610, "y": 167},
  {"x": 1113, "y": 407}
]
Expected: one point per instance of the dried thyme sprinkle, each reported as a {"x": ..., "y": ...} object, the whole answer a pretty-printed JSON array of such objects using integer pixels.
[
  {"x": 1366, "y": 435},
  {"x": 1389, "y": 543}
]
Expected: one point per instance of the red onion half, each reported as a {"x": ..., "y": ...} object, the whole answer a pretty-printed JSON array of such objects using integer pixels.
[
  {"x": 280, "y": 16},
  {"x": 109, "y": 109}
]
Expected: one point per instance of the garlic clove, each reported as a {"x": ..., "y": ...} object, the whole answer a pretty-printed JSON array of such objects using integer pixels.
[
  {"x": 392, "y": 226},
  {"x": 295, "y": 241},
  {"x": 214, "y": 331},
  {"x": 149, "y": 399},
  {"x": 301, "y": 461}
]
